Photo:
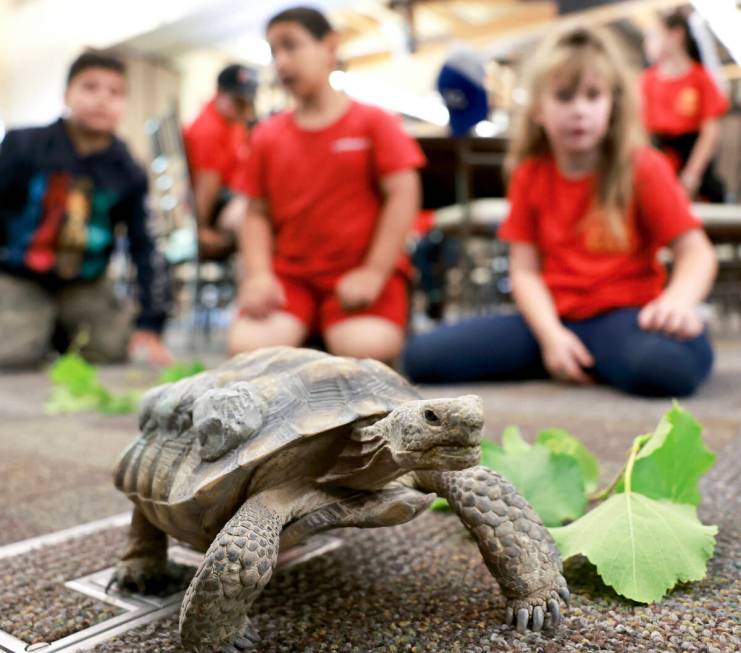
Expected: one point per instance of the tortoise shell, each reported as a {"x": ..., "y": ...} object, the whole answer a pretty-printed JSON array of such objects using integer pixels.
[{"x": 199, "y": 431}]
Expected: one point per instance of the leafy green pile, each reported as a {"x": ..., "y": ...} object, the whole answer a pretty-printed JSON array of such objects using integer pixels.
[
  {"x": 78, "y": 389},
  {"x": 644, "y": 537}
]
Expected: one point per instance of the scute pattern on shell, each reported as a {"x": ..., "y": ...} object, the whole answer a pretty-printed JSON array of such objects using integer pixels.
[{"x": 303, "y": 393}]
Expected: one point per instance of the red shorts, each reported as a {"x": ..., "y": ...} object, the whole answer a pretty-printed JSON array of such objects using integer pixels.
[{"x": 313, "y": 301}]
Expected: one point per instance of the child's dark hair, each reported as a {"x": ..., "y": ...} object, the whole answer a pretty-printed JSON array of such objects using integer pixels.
[
  {"x": 676, "y": 20},
  {"x": 95, "y": 59},
  {"x": 312, "y": 20}
]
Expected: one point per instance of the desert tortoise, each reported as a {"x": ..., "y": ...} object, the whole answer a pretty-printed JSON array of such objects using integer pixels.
[{"x": 279, "y": 444}]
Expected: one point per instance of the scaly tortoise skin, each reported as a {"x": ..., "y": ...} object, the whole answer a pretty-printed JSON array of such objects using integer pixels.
[{"x": 282, "y": 443}]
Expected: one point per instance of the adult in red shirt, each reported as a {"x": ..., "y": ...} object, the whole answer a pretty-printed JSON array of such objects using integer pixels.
[
  {"x": 681, "y": 107},
  {"x": 217, "y": 148},
  {"x": 333, "y": 193},
  {"x": 590, "y": 207}
]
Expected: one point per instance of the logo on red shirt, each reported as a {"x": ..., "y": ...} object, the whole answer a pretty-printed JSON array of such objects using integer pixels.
[{"x": 688, "y": 101}]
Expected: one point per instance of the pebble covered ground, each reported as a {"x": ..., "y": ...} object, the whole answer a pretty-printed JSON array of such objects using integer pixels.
[{"x": 419, "y": 588}]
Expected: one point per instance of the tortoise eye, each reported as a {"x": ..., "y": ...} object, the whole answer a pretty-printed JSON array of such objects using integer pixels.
[{"x": 431, "y": 416}]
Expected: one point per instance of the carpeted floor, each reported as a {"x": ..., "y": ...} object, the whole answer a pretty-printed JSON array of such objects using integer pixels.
[{"x": 418, "y": 587}]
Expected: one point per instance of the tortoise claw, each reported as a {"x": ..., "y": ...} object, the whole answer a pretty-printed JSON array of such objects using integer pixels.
[
  {"x": 555, "y": 611},
  {"x": 522, "y": 618},
  {"x": 564, "y": 593},
  {"x": 538, "y": 618},
  {"x": 509, "y": 616}
]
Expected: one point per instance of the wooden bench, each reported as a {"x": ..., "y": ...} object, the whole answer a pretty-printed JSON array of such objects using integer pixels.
[{"x": 722, "y": 223}]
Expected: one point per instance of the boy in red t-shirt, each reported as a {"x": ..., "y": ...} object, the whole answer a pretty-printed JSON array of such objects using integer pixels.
[
  {"x": 333, "y": 192},
  {"x": 217, "y": 146},
  {"x": 590, "y": 208},
  {"x": 681, "y": 107}
]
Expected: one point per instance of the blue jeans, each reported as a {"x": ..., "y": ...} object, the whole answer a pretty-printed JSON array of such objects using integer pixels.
[{"x": 502, "y": 347}]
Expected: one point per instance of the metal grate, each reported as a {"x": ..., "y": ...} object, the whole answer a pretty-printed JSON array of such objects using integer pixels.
[{"x": 141, "y": 609}]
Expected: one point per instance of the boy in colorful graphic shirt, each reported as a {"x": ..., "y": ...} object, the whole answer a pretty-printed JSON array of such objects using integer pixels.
[{"x": 63, "y": 189}]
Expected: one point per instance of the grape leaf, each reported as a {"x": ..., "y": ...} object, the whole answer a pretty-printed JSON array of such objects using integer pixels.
[
  {"x": 62, "y": 400},
  {"x": 552, "y": 483},
  {"x": 120, "y": 404},
  {"x": 562, "y": 442},
  {"x": 672, "y": 460},
  {"x": 440, "y": 504},
  {"x": 641, "y": 547},
  {"x": 180, "y": 370},
  {"x": 77, "y": 388},
  {"x": 72, "y": 371}
]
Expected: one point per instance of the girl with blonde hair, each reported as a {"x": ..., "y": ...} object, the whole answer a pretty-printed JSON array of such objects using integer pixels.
[{"x": 590, "y": 207}]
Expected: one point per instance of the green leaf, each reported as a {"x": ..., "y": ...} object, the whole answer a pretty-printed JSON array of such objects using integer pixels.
[
  {"x": 62, "y": 401},
  {"x": 672, "y": 460},
  {"x": 552, "y": 483},
  {"x": 641, "y": 547},
  {"x": 73, "y": 372},
  {"x": 180, "y": 370},
  {"x": 440, "y": 504},
  {"x": 488, "y": 453},
  {"x": 562, "y": 442},
  {"x": 120, "y": 404},
  {"x": 512, "y": 440}
]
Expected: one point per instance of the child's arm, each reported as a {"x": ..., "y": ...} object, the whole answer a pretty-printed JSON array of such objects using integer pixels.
[
  {"x": 705, "y": 146},
  {"x": 152, "y": 278},
  {"x": 362, "y": 286},
  {"x": 207, "y": 185},
  {"x": 564, "y": 355},
  {"x": 675, "y": 311},
  {"x": 260, "y": 293}
]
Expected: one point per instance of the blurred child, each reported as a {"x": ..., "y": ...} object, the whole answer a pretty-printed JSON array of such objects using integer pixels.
[
  {"x": 63, "y": 189},
  {"x": 682, "y": 105},
  {"x": 333, "y": 192},
  {"x": 217, "y": 146},
  {"x": 590, "y": 208}
]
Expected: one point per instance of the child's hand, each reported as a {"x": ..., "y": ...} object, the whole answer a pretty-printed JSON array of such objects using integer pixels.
[
  {"x": 671, "y": 316},
  {"x": 213, "y": 243},
  {"x": 359, "y": 288},
  {"x": 260, "y": 294},
  {"x": 147, "y": 346},
  {"x": 565, "y": 356}
]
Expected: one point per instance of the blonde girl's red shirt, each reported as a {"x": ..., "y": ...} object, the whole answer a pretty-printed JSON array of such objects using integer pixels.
[
  {"x": 585, "y": 269},
  {"x": 322, "y": 186},
  {"x": 679, "y": 105}
]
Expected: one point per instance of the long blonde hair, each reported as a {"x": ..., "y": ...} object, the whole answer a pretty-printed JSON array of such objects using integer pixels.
[{"x": 570, "y": 55}]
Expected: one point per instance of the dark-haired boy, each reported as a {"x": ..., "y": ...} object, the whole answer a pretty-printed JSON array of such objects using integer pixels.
[
  {"x": 217, "y": 148},
  {"x": 63, "y": 189}
]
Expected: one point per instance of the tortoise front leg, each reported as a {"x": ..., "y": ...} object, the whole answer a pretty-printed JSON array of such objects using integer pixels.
[
  {"x": 143, "y": 567},
  {"x": 236, "y": 568},
  {"x": 518, "y": 550}
]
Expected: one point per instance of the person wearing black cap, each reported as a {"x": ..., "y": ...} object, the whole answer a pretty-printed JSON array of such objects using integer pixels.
[{"x": 217, "y": 145}]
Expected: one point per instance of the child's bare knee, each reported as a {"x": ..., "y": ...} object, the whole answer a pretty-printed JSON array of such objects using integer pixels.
[
  {"x": 278, "y": 330},
  {"x": 381, "y": 341}
]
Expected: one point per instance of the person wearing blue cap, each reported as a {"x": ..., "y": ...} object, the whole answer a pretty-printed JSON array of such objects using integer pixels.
[{"x": 461, "y": 85}]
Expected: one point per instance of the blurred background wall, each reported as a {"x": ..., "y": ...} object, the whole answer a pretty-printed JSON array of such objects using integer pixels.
[{"x": 391, "y": 52}]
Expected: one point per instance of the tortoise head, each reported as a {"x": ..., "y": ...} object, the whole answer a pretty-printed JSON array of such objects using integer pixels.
[{"x": 443, "y": 434}]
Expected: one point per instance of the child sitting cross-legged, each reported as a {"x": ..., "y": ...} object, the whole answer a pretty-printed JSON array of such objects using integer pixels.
[{"x": 591, "y": 206}]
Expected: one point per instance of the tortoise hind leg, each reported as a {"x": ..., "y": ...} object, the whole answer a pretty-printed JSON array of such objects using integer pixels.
[
  {"x": 143, "y": 568},
  {"x": 236, "y": 568}
]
